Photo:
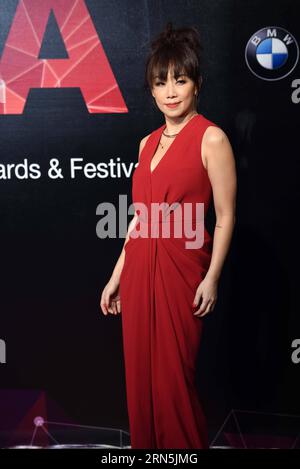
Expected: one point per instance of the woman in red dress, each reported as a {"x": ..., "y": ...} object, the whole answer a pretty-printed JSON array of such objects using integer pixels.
[{"x": 164, "y": 284}]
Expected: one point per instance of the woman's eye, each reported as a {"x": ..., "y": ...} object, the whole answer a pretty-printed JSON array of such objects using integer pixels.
[{"x": 161, "y": 83}]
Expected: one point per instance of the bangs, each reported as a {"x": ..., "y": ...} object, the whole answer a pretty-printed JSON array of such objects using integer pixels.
[
  {"x": 177, "y": 50},
  {"x": 163, "y": 62},
  {"x": 178, "y": 59}
]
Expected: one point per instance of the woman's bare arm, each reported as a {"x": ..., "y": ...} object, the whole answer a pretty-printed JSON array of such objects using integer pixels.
[
  {"x": 220, "y": 164},
  {"x": 222, "y": 174},
  {"x": 115, "y": 277},
  {"x": 110, "y": 301}
]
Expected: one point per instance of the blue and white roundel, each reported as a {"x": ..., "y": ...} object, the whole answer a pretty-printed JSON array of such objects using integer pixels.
[{"x": 272, "y": 53}]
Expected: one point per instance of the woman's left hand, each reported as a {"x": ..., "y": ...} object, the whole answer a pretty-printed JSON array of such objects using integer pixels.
[{"x": 206, "y": 297}]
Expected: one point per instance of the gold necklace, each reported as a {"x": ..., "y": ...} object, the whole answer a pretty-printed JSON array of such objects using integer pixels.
[{"x": 174, "y": 135}]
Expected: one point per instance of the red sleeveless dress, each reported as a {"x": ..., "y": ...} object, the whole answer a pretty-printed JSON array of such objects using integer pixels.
[{"x": 159, "y": 279}]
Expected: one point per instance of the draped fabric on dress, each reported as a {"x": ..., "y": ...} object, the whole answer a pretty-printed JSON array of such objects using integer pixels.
[{"x": 161, "y": 336}]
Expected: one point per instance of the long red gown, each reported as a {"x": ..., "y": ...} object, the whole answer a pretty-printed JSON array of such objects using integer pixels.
[{"x": 160, "y": 276}]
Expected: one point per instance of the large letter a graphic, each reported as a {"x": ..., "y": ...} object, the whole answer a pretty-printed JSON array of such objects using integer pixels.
[{"x": 86, "y": 68}]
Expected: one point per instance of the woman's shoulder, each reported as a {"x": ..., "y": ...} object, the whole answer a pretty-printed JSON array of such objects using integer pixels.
[
  {"x": 205, "y": 122},
  {"x": 211, "y": 131},
  {"x": 143, "y": 143},
  {"x": 147, "y": 137},
  {"x": 144, "y": 140}
]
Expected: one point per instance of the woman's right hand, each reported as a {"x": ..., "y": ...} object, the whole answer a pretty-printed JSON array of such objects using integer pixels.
[{"x": 110, "y": 299}]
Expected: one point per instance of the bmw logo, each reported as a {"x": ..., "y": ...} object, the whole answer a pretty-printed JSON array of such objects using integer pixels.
[{"x": 272, "y": 53}]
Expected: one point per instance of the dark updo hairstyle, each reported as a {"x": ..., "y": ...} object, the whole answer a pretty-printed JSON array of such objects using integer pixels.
[{"x": 180, "y": 48}]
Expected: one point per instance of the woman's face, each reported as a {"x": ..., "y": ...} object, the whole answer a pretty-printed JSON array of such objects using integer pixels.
[{"x": 181, "y": 91}]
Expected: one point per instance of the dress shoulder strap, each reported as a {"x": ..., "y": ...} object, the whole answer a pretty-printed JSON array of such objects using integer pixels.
[{"x": 149, "y": 142}]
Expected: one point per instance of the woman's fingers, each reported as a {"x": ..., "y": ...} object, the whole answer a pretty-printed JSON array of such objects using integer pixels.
[
  {"x": 203, "y": 309},
  {"x": 114, "y": 307},
  {"x": 117, "y": 304},
  {"x": 108, "y": 305},
  {"x": 208, "y": 307},
  {"x": 205, "y": 298},
  {"x": 103, "y": 305}
]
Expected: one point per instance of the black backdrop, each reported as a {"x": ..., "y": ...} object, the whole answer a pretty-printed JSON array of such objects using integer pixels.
[{"x": 54, "y": 267}]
